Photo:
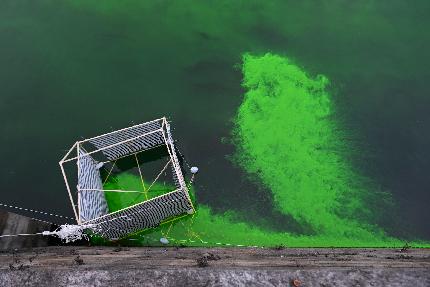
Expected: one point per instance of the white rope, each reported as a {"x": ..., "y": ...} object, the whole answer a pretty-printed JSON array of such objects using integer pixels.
[
  {"x": 44, "y": 221},
  {"x": 22, "y": 234},
  {"x": 66, "y": 232},
  {"x": 35, "y": 211},
  {"x": 164, "y": 168},
  {"x": 182, "y": 156},
  {"x": 214, "y": 243},
  {"x": 110, "y": 171},
  {"x": 71, "y": 233},
  {"x": 141, "y": 177}
]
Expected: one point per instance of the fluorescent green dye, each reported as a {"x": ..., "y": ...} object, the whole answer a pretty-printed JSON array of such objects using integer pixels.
[
  {"x": 289, "y": 141},
  {"x": 205, "y": 228},
  {"x": 126, "y": 181},
  {"x": 208, "y": 229}
]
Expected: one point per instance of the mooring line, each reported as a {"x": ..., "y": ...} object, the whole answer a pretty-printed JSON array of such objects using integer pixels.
[{"x": 36, "y": 211}]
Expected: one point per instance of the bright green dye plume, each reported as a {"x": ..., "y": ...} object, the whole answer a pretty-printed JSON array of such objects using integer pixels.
[
  {"x": 207, "y": 229},
  {"x": 288, "y": 138},
  {"x": 127, "y": 181},
  {"x": 289, "y": 141}
]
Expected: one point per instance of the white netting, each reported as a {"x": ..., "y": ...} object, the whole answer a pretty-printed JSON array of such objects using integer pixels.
[
  {"x": 92, "y": 210},
  {"x": 69, "y": 232}
]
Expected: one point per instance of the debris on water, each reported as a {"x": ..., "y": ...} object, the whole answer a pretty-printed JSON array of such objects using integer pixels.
[
  {"x": 194, "y": 170},
  {"x": 164, "y": 240}
]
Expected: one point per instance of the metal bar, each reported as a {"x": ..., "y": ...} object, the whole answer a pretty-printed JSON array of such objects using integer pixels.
[
  {"x": 115, "y": 144},
  {"x": 172, "y": 155},
  {"x": 68, "y": 190},
  {"x": 141, "y": 177},
  {"x": 164, "y": 168},
  {"x": 85, "y": 140},
  {"x": 70, "y": 150},
  {"x": 79, "y": 194},
  {"x": 111, "y": 190},
  {"x": 89, "y": 222},
  {"x": 104, "y": 162},
  {"x": 176, "y": 163}
]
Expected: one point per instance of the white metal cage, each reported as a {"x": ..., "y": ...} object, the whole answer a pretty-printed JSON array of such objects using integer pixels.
[{"x": 88, "y": 199}]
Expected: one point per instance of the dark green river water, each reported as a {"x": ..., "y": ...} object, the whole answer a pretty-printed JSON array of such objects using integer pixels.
[{"x": 75, "y": 69}]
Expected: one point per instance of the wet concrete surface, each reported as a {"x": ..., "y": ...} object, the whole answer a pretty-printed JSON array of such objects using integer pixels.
[
  {"x": 12, "y": 223},
  {"x": 172, "y": 266}
]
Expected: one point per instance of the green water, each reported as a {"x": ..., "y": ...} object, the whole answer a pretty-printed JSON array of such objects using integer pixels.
[
  {"x": 126, "y": 181},
  {"x": 285, "y": 156},
  {"x": 287, "y": 139}
]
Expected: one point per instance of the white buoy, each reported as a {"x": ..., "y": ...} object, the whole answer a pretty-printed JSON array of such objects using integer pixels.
[
  {"x": 194, "y": 170},
  {"x": 164, "y": 240}
]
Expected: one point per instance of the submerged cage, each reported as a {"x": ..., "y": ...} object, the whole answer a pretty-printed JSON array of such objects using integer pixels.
[{"x": 88, "y": 199}]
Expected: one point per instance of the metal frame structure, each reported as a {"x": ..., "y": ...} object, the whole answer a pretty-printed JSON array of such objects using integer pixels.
[{"x": 129, "y": 141}]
